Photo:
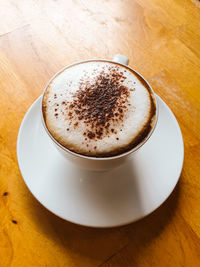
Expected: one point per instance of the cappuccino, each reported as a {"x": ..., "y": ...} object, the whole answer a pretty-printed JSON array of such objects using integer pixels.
[{"x": 98, "y": 108}]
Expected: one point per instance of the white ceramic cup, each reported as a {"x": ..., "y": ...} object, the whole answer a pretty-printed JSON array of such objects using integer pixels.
[{"x": 103, "y": 163}]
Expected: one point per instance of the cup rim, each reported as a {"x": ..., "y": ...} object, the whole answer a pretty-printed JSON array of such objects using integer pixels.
[{"x": 126, "y": 153}]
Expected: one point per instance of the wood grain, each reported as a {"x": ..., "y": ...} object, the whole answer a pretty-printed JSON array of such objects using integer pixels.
[{"x": 162, "y": 41}]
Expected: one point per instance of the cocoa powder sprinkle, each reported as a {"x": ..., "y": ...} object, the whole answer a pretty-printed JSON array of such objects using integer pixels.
[{"x": 98, "y": 102}]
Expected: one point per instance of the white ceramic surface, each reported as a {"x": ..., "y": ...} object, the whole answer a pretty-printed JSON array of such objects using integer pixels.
[
  {"x": 101, "y": 163},
  {"x": 101, "y": 199}
]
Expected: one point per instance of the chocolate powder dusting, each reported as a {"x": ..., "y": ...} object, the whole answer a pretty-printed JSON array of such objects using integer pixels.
[{"x": 100, "y": 101}]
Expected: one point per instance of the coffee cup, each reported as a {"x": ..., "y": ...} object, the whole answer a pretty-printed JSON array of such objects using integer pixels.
[{"x": 101, "y": 161}]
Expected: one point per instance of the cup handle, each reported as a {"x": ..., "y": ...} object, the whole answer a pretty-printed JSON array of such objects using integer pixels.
[{"x": 121, "y": 59}]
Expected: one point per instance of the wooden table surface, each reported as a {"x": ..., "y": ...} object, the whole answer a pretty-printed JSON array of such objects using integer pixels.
[{"x": 162, "y": 41}]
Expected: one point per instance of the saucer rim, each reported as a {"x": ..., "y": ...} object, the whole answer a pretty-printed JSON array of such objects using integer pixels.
[{"x": 90, "y": 225}]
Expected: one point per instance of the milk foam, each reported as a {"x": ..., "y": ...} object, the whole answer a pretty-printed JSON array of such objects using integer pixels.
[{"x": 63, "y": 114}]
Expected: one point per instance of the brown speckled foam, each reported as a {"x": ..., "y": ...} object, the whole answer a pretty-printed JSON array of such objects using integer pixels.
[{"x": 98, "y": 108}]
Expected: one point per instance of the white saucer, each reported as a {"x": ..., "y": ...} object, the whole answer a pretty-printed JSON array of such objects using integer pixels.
[{"x": 101, "y": 199}]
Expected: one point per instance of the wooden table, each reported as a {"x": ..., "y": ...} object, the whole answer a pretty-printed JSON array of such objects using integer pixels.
[{"x": 162, "y": 41}]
